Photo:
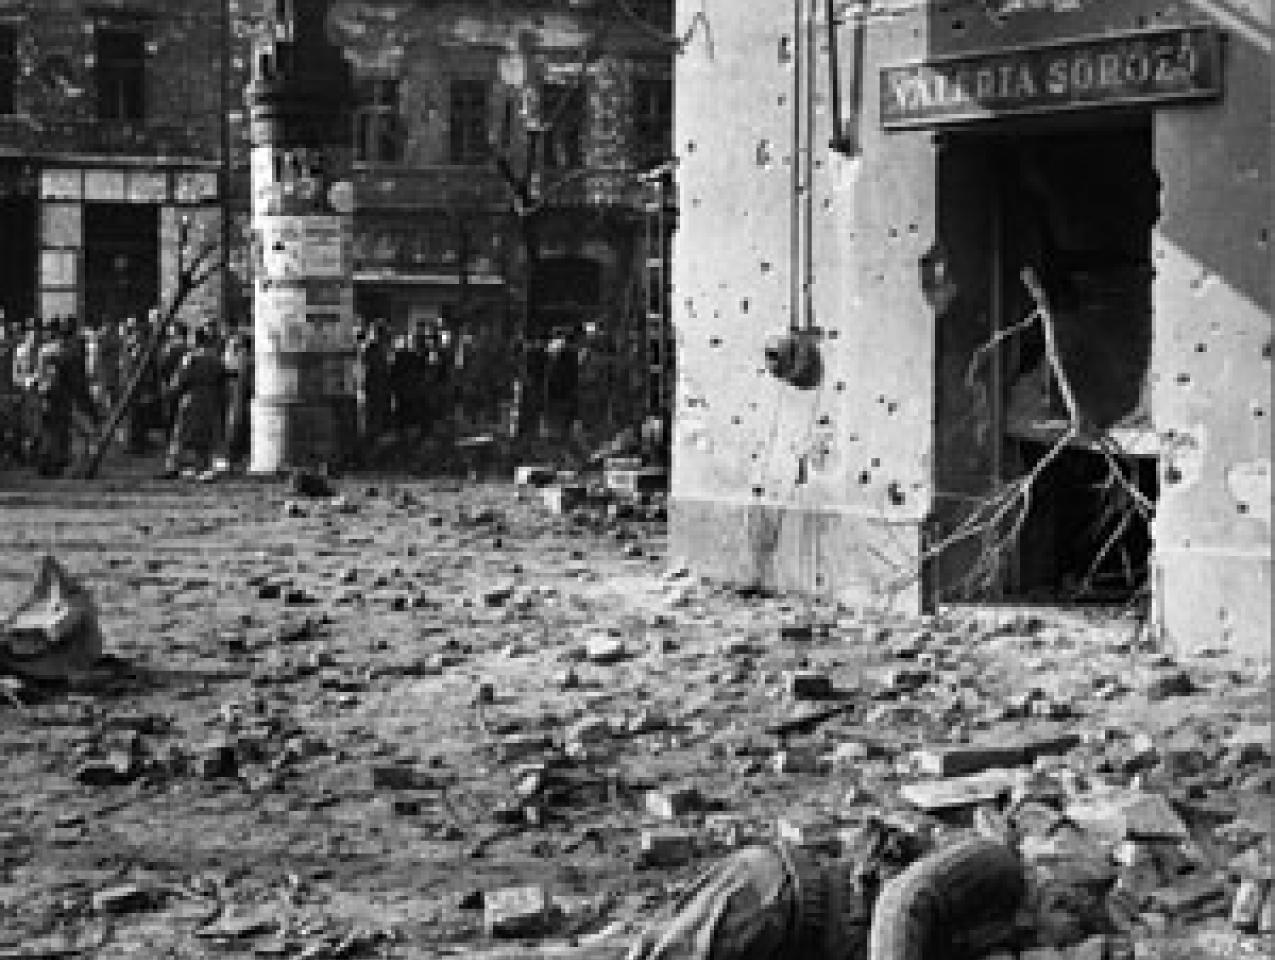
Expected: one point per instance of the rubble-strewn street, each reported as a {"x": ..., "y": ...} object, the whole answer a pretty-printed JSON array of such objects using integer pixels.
[{"x": 416, "y": 720}]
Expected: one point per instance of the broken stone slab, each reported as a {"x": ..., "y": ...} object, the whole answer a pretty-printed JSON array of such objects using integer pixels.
[
  {"x": 605, "y": 650},
  {"x": 54, "y": 633},
  {"x": 808, "y": 829},
  {"x": 1134, "y": 815},
  {"x": 119, "y": 767},
  {"x": 1192, "y": 897},
  {"x": 955, "y": 793},
  {"x": 963, "y": 759},
  {"x": 406, "y": 777},
  {"x": 516, "y": 747},
  {"x": 518, "y": 912},
  {"x": 126, "y": 898}
]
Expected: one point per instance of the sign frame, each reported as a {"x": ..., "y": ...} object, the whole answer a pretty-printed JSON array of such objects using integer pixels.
[{"x": 967, "y": 109}]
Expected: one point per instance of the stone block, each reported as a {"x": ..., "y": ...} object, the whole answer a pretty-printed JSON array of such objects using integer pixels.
[
  {"x": 955, "y": 793},
  {"x": 808, "y": 685},
  {"x": 666, "y": 848},
  {"x": 959, "y": 760},
  {"x": 1246, "y": 908},
  {"x": 671, "y": 803},
  {"x": 605, "y": 650},
  {"x": 517, "y": 911}
]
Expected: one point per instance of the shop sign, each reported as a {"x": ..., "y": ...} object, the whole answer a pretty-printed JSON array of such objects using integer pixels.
[{"x": 1152, "y": 66}]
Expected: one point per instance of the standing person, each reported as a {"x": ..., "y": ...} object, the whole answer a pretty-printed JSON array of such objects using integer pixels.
[
  {"x": 196, "y": 388},
  {"x": 102, "y": 363},
  {"x": 562, "y": 381},
  {"x": 25, "y": 358},
  {"x": 171, "y": 355},
  {"x": 61, "y": 389},
  {"x": 238, "y": 360},
  {"x": 10, "y": 398},
  {"x": 376, "y": 382}
]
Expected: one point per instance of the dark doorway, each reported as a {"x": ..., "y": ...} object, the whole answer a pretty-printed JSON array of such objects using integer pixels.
[
  {"x": 17, "y": 257},
  {"x": 568, "y": 293},
  {"x": 1076, "y": 205},
  {"x": 121, "y": 259}
]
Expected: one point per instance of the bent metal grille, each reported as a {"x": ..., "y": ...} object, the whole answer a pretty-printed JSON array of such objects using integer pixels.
[{"x": 1143, "y": 67}]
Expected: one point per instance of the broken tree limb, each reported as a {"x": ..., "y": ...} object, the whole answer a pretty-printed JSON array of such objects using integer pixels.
[{"x": 921, "y": 912}]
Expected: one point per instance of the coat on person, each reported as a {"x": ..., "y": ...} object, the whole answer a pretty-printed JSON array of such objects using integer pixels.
[{"x": 197, "y": 387}]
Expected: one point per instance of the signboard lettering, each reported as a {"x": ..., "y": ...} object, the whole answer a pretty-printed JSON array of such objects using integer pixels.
[{"x": 1155, "y": 66}]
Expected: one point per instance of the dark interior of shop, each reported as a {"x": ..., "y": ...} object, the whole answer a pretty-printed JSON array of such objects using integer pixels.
[{"x": 1076, "y": 205}]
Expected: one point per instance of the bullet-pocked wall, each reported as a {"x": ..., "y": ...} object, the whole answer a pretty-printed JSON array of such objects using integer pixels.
[
  {"x": 826, "y": 487},
  {"x": 1211, "y": 363}
]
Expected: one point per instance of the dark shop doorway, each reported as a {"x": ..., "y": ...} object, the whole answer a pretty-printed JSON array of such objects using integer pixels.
[
  {"x": 17, "y": 258},
  {"x": 121, "y": 259},
  {"x": 1076, "y": 204}
]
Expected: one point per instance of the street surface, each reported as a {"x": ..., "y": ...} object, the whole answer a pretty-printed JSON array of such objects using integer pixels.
[{"x": 337, "y": 727}]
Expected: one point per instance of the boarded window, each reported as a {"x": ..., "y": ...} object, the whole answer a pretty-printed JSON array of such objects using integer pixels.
[
  {"x": 378, "y": 124},
  {"x": 467, "y": 120},
  {"x": 8, "y": 68},
  {"x": 563, "y": 118},
  {"x": 121, "y": 74}
]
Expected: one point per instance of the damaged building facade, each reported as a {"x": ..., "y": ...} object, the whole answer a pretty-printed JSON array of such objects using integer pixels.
[
  {"x": 500, "y": 153},
  {"x": 875, "y": 197},
  {"x": 502, "y": 162},
  {"x": 111, "y": 137}
]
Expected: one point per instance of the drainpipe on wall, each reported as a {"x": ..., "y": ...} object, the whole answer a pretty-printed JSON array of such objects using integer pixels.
[
  {"x": 794, "y": 356},
  {"x": 845, "y": 125}
]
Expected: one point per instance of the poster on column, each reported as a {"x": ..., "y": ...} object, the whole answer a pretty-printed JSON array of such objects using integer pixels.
[
  {"x": 281, "y": 320},
  {"x": 282, "y": 248}
]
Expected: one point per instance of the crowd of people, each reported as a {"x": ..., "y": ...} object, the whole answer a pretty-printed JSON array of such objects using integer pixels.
[
  {"x": 62, "y": 381},
  {"x": 63, "y": 378}
]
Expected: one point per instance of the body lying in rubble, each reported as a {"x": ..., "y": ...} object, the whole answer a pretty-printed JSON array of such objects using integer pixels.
[{"x": 778, "y": 902}]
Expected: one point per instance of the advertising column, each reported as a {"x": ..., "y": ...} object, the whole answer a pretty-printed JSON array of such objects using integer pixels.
[{"x": 303, "y": 409}]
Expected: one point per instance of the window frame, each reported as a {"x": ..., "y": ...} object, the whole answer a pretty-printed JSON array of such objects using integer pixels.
[
  {"x": 468, "y": 119},
  {"x": 8, "y": 69},
  {"x": 563, "y": 130},
  {"x": 378, "y": 134},
  {"x": 652, "y": 112},
  {"x": 113, "y": 74}
]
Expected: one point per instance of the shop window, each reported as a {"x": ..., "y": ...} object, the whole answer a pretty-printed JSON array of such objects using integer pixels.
[
  {"x": 467, "y": 120},
  {"x": 563, "y": 117},
  {"x": 8, "y": 68},
  {"x": 121, "y": 74},
  {"x": 653, "y": 115},
  {"x": 378, "y": 125}
]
